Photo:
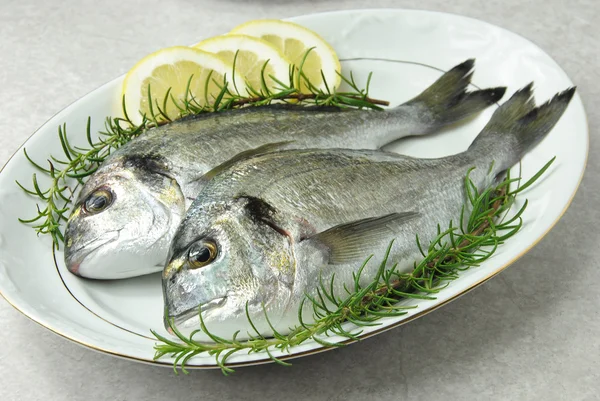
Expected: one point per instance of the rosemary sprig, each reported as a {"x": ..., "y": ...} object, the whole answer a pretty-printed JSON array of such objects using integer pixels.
[
  {"x": 65, "y": 174},
  {"x": 453, "y": 250},
  {"x": 77, "y": 163}
]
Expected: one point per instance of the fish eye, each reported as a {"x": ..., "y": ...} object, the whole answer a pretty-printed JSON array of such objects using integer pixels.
[
  {"x": 202, "y": 253},
  {"x": 98, "y": 201}
]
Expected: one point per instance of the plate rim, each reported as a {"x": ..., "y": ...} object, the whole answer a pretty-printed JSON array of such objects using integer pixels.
[{"x": 362, "y": 336}]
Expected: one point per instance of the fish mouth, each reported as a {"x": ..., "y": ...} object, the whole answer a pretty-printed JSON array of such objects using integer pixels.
[
  {"x": 74, "y": 258},
  {"x": 192, "y": 313}
]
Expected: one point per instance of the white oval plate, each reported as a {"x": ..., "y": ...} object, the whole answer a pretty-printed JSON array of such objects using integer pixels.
[{"x": 406, "y": 50}]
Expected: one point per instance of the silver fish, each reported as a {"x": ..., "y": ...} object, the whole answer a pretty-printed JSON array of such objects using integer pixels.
[
  {"x": 263, "y": 230},
  {"x": 127, "y": 212}
]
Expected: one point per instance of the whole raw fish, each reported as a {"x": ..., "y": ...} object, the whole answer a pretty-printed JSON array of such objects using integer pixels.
[
  {"x": 125, "y": 216},
  {"x": 263, "y": 230}
]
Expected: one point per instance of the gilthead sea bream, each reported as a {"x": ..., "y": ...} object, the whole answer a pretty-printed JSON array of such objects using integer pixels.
[
  {"x": 263, "y": 230},
  {"x": 127, "y": 212}
]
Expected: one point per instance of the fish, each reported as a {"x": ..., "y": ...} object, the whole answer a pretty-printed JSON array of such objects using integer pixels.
[
  {"x": 264, "y": 231},
  {"x": 127, "y": 212}
]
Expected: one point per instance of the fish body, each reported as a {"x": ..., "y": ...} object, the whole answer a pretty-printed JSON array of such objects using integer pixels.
[
  {"x": 265, "y": 230},
  {"x": 127, "y": 212}
]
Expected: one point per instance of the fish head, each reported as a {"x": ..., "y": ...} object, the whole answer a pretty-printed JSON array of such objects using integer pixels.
[
  {"x": 123, "y": 220},
  {"x": 228, "y": 263}
]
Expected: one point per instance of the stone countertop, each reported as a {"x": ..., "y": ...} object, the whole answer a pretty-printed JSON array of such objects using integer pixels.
[{"x": 532, "y": 333}]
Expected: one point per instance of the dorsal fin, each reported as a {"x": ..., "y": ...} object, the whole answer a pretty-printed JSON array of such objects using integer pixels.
[{"x": 247, "y": 154}]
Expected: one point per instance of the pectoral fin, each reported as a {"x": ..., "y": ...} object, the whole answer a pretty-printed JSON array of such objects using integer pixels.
[
  {"x": 354, "y": 241},
  {"x": 267, "y": 148}
]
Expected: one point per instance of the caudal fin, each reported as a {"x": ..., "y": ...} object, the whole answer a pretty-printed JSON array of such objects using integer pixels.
[
  {"x": 520, "y": 125},
  {"x": 448, "y": 101}
]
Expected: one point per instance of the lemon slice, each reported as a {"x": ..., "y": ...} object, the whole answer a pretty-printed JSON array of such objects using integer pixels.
[
  {"x": 294, "y": 41},
  {"x": 252, "y": 54},
  {"x": 172, "y": 68}
]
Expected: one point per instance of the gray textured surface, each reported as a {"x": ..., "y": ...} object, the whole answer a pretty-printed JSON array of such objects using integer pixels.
[{"x": 532, "y": 333}]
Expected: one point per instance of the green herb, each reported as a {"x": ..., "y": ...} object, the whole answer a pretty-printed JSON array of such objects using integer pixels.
[
  {"x": 65, "y": 174},
  {"x": 453, "y": 250},
  {"x": 77, "y": 163}
]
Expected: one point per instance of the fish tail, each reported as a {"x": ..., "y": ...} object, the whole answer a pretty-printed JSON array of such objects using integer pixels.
[
  {"x": 447, "y": 98},
  {"x": 520, "y": 124}
]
